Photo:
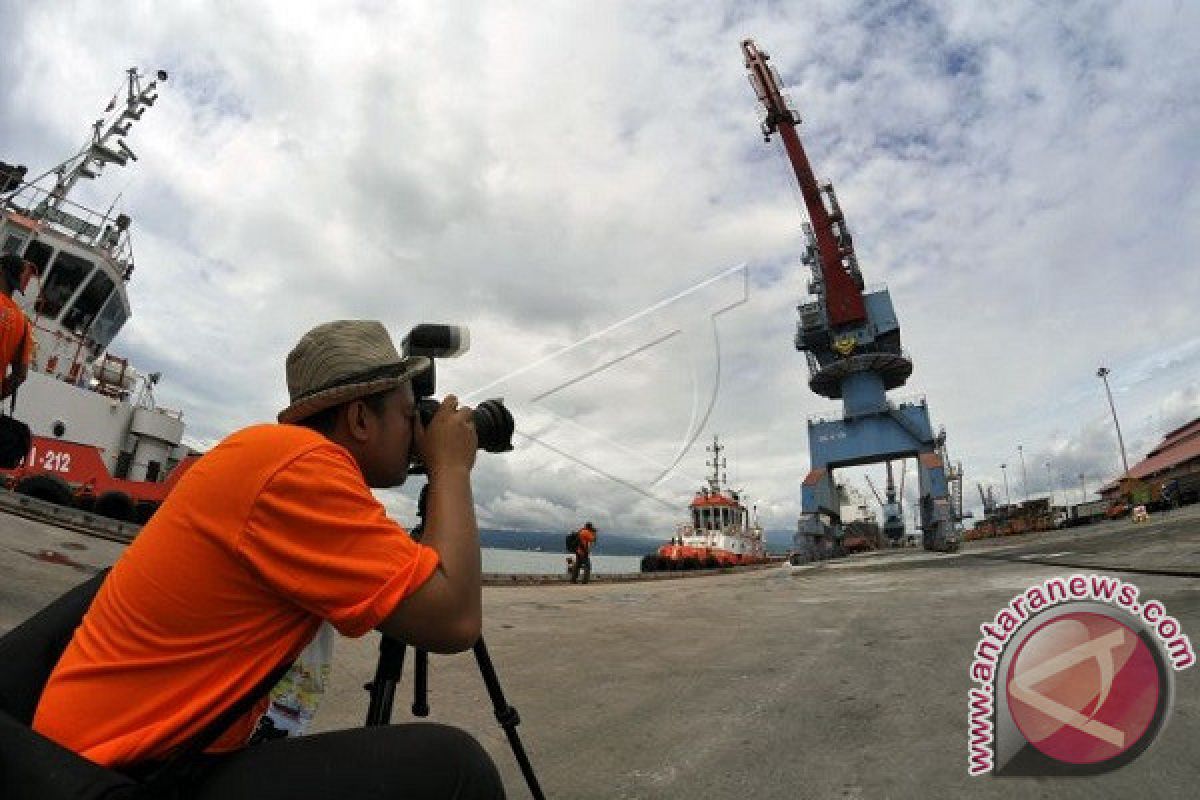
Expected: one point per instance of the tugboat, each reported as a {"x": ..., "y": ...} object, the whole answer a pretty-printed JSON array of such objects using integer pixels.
[
  {"x": 721, "y": 531},
  {"x": 99, "y": 441}
]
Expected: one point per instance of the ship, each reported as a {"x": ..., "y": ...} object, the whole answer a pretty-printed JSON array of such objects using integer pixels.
[
  {"x": 859, "y": 523},
  {"x": 100, "y": 442},
  {"x": 720, "y": 530}
]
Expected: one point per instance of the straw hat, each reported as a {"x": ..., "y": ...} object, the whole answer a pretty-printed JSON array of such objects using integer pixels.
[{"x": 342, "y": 361}]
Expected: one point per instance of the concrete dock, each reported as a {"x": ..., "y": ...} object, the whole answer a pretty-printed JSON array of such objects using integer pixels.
[{"x": 846, "y": 679}]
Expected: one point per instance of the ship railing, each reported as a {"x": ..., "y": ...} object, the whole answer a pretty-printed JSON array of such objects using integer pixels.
[
  {"x": 67, "y": 356},
  {"x": 68, "y": 218},
  {"x": 166, "y": 412}
]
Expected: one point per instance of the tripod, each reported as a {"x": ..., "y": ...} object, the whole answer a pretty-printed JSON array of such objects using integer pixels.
[{"x": 382, "y": 687}]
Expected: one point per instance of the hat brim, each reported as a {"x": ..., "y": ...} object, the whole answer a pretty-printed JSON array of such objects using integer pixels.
[{"x": 315, "y": 403}]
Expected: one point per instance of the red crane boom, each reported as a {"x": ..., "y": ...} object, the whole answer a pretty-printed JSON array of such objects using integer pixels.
[{"x": 843, "y": 298}]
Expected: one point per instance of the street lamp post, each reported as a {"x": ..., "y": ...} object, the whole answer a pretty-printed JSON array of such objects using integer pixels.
[
  {"x": 1007, "y": 501},
  {"x": 1082, "y": 488},
  {"x": 1102, "y": 374},
  {"x": 1024, "y": 476},
  {"x": 1050, "y": 483}
]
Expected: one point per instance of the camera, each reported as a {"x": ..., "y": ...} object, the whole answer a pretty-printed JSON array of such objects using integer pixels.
[{"x": 493, "y": 423}]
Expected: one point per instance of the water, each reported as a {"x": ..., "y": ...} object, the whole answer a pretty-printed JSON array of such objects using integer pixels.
[{"x": 531, "y": 562}]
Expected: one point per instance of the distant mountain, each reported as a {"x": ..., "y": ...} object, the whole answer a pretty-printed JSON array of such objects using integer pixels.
[
  {"x": 779, "y": 541},
  {"x": 607, "y": 544}
]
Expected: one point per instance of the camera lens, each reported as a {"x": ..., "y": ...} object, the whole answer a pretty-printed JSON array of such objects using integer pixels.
[{"x": 494, "y": 424}]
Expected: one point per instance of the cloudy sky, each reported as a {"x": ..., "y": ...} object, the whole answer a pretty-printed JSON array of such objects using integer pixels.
[{"x": 585, "y": 187}]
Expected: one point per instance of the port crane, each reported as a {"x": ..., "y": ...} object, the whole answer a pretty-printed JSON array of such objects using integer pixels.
[{"x": 851, "y": 339}]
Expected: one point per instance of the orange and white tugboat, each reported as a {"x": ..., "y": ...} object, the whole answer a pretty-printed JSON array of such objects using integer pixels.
[{"x": 722, "y": 532}]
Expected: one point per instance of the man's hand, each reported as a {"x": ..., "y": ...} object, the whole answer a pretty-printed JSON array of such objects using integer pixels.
[
  {"x": 446, "y": 614},
  {"x": 450, "y": 441}
]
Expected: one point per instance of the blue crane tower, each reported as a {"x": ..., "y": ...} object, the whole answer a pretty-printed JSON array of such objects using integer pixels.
[{"x": 851, "y": 339}]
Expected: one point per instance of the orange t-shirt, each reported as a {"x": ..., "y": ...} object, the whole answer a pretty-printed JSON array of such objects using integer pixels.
[
  {"x": 270, "y": 533},
  {"x": 13, "y": 324},
  {"x": 587, "y": 538}
]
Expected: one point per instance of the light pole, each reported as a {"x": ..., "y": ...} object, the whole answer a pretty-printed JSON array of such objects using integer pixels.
[
  {"x": 1007, "y": 501},
  {"x": 1050, "y": 481},
  {"x": 1024, "y": 476},
  {"x": 1102, "y": 374},
  {"x": 1082, "y": 489}
]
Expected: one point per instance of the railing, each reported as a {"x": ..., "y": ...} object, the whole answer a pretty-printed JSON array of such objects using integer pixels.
[
  {"x": 78, "y": 222},
  {"x": 829, "y": 415},
  {"x": 871, "y": 348},
  {"x": 810, "y": 315},
  {"x": 910, "y": 400}
]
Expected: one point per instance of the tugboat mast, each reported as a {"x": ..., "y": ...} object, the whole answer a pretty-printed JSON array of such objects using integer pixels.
[
  {"x": 717, "y": 465},
  {"x": 107, "y": 145}
]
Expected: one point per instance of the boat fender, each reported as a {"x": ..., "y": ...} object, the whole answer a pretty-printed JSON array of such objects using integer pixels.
[
  {"x": 115, "y": 505},
  {"x": 50, "y": 488}
]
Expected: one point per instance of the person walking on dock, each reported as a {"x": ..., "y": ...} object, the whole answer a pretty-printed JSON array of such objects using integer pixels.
[
  {"x": 585, "y": 537},
  {"x": 1170, "y": 494}
]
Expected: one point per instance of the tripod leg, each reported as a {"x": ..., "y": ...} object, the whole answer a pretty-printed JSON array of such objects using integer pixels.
[
  {"x": 507, "y": 716},
  {"x": 420, "y": 706},
  {"x": 382, "y": 687}
]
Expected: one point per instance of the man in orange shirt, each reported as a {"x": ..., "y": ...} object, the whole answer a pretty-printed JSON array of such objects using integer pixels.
[
  {"x": 269, "y": 535},
  {"x": 585, "y": 538},
  {"x": 15, "y": 330}
]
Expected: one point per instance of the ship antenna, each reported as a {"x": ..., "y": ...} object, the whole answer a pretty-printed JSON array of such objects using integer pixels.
[
  {"x": 107, "y": 145},
  {"x": 717, "y": 463}
]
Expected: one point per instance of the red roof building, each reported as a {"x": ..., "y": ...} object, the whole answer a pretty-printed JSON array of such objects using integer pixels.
[{"x": 1177, "y": 457}]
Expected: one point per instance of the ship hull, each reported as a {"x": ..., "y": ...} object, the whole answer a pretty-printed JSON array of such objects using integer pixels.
[{"x": 685, "y": 557}]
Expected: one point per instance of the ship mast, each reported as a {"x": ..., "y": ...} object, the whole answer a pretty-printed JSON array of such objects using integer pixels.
[
  {"x": 107, "y": 145},
  {"x": 717, "y": 465}
]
